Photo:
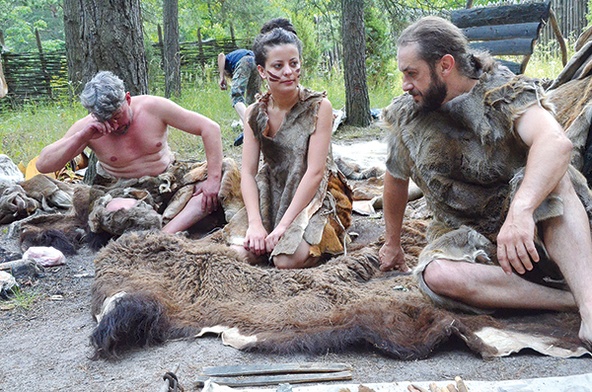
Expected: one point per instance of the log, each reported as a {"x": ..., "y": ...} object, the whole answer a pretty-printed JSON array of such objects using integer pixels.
[
  {"x": 504, "y": 14},
  {"x": 515, "y": 47},
  {"x": 497, "y": 32}
]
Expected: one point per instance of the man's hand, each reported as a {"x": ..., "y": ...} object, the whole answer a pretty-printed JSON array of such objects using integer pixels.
[
  {"x": 97, "y": 129},
  {"x": 255, "y": 239},
  {"x": 222, "y": 83},
  {"x": 209, "y": 190},
  {"x": 392, "y": 257},
  {"x": 515, "y": 243}
]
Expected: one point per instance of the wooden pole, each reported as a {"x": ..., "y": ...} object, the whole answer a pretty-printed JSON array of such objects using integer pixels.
[
  {"x": 43, "y": 64},
  {"x": 160, "y": 46},
  {"x": 202, "y": 59},
  {"x": 232, "y": 37}
]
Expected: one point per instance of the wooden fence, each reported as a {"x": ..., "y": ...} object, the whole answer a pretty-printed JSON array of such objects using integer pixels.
[
  {"x": 38, "y": 75},
  {"x": 571, "y": 18}
]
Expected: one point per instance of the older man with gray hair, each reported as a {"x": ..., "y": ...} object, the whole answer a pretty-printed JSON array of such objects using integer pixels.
[{"x": 129, "y": 138}]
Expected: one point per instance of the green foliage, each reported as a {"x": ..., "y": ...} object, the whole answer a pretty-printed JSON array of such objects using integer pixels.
[
  {"x": 379, "y": 48},
  {"x": 20, "y": 19},
  {"x": 308, "y": 34}
]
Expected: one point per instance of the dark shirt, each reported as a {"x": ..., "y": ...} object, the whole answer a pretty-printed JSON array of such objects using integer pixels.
[{"x": 233, "y": 58}]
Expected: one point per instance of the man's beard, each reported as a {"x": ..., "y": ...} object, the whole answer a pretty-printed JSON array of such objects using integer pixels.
[{"x": 435, "y": 95}]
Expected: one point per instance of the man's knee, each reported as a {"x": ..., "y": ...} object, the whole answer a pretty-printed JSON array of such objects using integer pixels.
[
  {"x": 445, "y": 278},
  {"x": 121, "y": 203},
  {"x": 285, "y": 262}
]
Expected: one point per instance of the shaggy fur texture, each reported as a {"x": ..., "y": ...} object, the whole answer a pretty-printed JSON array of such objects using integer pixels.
[
  {"x": 175, "y": 286},
  {"x": 77, "y": 214}
]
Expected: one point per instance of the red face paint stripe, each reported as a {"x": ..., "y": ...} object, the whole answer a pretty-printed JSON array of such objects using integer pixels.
[{"x": 273, "y": 77}]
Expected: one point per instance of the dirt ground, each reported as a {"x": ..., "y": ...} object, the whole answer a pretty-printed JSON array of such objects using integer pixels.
[{"x": 45, "y": 347}]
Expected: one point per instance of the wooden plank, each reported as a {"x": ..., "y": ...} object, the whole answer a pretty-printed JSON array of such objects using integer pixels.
[
  {"x": 300, "y": 378},
  {"x": 513, "y": 66},
  {"x": 503, "y": 14},
  {"x": 510, "y": 47},
  {"x": 497, "y": 32},
  {"x": 249, "y": 370}
]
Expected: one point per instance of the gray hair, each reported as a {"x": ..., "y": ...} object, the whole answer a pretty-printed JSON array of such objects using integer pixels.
[{"x": 103, "y": 95}]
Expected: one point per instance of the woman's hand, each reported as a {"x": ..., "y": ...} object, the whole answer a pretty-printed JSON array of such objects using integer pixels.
[
  {"x": 274, "y": 237},
  {"x": 255, "y": 240}
]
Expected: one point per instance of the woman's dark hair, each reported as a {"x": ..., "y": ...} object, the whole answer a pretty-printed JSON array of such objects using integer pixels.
[
  {"x": 278, "y": 22},
  {"x": 275, "y": 37}
]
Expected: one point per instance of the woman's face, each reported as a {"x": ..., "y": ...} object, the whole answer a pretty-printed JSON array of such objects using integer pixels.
[{"x": 282, "y": 68}]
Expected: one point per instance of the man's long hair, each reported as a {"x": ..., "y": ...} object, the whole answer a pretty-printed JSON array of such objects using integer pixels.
[{"x": 437, "y": 37}]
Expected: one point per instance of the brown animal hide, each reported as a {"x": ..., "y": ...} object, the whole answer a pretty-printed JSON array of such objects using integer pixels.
[
  {"x": 18, "y": 201},
  {"x": 65, "y": 231},
  {"x": 151, "y": 287},
  {"x": 14, "y": 202},
  {"x": 88, "y": 220}
]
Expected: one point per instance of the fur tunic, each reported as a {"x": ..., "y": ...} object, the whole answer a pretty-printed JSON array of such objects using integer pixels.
[
  {"x": 323, "y": 222},
  {"x": 469, "y": 161},
  {"x": 464, "y": 155}
]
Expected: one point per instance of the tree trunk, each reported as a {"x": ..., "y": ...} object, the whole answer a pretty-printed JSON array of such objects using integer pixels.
[
  {"x": 103, "y": 35},
  {"x": 172, "y": 59},
  {"x": 357, "y": 103},
  {"x": 73, "y": 33}
]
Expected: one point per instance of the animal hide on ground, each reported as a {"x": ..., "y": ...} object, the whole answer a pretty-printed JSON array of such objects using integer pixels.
[
  {"x": 40, "y": 193},
  {"x": 84, "y": 217},
  {"x": 151, "y": 287}
]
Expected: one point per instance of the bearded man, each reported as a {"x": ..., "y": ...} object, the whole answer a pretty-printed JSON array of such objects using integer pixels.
[{"x": 493, "y": 164}]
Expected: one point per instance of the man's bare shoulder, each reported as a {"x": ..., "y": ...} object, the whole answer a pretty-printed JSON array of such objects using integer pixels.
[
  {"x": 154, "y": 105},
  {"x": 148, "y": 101}
]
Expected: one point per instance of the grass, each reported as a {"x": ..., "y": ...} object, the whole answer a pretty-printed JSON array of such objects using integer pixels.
[
  {"x": 21, "y": 299},
  {"x": 25, "y": 131}
]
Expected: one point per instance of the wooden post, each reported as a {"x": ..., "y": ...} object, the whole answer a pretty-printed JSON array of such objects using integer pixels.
[
  {"x": 3, "y": 84},
  {"x": 43, "y": 64},
  {"x": 202, "y": 59},
  {"x": 160, "y": 46},
  {"x": 559, "y": 36},
  {"x": 232, "y": 37}
]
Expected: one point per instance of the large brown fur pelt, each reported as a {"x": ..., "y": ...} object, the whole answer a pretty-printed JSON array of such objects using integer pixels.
[{"x": 152, "y": 286}]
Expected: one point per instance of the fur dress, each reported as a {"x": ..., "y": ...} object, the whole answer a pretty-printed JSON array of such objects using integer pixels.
[{"x": 323, "y": 222}]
